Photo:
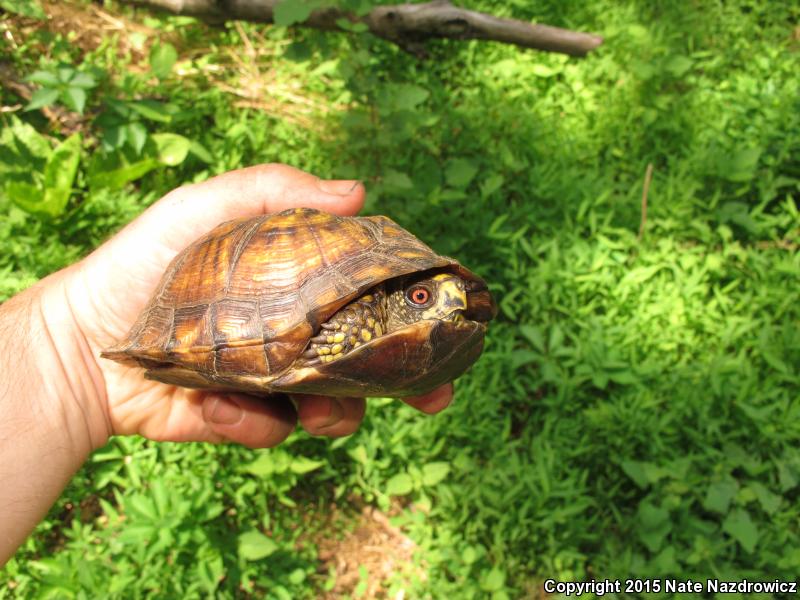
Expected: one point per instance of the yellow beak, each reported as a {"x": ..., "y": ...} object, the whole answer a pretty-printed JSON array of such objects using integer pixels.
[{"x": 451, "y": 298}]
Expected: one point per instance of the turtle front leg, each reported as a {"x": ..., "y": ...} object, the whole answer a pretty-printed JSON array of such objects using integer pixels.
[{"x": 354, "y": 324}]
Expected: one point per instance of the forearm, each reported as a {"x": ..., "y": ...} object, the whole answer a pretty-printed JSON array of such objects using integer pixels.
[{"x": 51, "y": 404}]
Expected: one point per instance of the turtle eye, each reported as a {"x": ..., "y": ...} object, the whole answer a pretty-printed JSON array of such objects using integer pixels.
[{"x": 418, "y": 296}]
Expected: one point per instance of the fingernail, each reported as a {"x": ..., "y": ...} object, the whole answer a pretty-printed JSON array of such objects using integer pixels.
[
  {"x": 340, "y": 187},
  {"x": 226, "y": 412}
]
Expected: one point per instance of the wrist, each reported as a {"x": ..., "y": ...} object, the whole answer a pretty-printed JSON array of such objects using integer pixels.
[
  {"x": 74, "y": 382},
  {"x": 52, "y": 412}
]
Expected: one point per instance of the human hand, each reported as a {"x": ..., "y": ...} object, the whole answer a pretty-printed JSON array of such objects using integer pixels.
[
  {"x": 60, "y": 401},
  {"x": 106, "y": 292}
]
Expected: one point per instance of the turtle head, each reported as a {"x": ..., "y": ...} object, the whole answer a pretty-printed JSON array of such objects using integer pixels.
[
  {"x": 405, "y": 336},
  {"x": 442, "y": 296}
]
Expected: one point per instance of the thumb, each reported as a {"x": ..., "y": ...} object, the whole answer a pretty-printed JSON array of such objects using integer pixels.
[{"x": 192, "y": 210}]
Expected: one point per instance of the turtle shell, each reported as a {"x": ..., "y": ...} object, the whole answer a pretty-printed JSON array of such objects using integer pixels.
[{"x": 235, "y": 309}]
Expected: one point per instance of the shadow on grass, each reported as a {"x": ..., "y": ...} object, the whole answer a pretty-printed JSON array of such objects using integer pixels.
[{"x": 625, "y": 389}]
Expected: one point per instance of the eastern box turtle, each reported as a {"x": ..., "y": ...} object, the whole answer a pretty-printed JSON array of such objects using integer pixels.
[{"x": 305, "y": 301}]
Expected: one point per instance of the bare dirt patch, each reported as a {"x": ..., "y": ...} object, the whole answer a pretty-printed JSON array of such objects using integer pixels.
[
  {"x": 87, "y": 27},
  {"x": 367, "y": 556}
]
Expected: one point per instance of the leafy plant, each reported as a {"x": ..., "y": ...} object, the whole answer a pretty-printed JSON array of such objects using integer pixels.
[
  {"x": 65, "y": 84},
  {"x": 43, "y": 191}
]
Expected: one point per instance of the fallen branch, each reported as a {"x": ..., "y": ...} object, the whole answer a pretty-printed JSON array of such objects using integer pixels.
[{"x": 408, "y": 25}]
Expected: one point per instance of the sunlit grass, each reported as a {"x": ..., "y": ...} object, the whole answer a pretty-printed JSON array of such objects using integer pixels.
[{"x": 636, "y": 410}]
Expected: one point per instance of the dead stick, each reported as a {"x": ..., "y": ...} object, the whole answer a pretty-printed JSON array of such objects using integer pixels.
[{"x": 407, "y": 25}]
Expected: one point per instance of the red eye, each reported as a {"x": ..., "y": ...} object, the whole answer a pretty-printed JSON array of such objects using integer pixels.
[{"x": 418, "y": 295}]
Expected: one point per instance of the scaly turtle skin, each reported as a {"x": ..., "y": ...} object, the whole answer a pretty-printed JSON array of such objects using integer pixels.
[{"x": 304, "y": 301}]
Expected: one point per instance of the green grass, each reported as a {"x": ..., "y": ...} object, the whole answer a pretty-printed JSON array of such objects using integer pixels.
[{"x": 636, "y": 411}]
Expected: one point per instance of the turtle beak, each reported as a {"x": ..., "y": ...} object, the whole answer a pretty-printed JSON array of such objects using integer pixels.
[{"x": 452, "y": 298}]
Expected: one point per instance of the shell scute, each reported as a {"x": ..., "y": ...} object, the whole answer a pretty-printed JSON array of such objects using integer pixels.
[
  {"x": 236, "y": 320},
  {"x": 207, "y": 260},
  {"x": 192, "y": 327}
]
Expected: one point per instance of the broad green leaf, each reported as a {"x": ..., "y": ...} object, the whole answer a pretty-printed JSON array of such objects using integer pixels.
[
  {"x": 301, "y": 464},
  {"x": 654, "y": 525},
  {"x": 600, "y": 379},
  {"x": 83, "y": 80},
  {"x": 136, "y": 135},
  {"x": 289, "y": 12},
  {"x": 65, "y": 73},
  {"x": 261, "y": 466},
  {"x": 742, "y": 528},
  {"x": 493, "y": 581},
  {"x": 138, "y": 534},
  {"x": 59, "y": 174},
  {"x": 254, "y": 545},
  {"x": 459, "y": 172},
  {"x": 470, "y": 555},
  {"x": 769, "y": 502},
  {"x": 141, "y": 507},
  {"x": 396, "y": 180},
  {"x": 491, "y": 184},
  {"x": 737, "y": 213},
  {"x": 556, "y": 339},
  {"x": 534, "y": 335},
  {"x": 197, "y": 149},
  {"x": 25, "y": 195},
  {"x": 33, "y": 142},
  {"x": 118, "y": 177},
  {"x": 359, "y": 454},
  {"x": 665, "y": 561},
  {"x": 523, "y": 358},
  {"x": 152, "y": 110},
  {"x": 25, "y": 8},
  {"x": 172, "y": 148},
  {"x": 75, "y": 98},
  {"x": 719, "y": 495},
  {"x": 640, "y": 274},
  {"x": 543, "y": 70},
  {"x": 45, "y": 78},
  {"x": 450, "y": 194},
  {"x": 115, "y": 137},
  {"x": 42, "y": 97},
  {"x": 353, "y": 26},
  {"x": 787, "y": 475},
  {"x": 637, "y": 471},
  {"x": 643, "y": 69},
  {"x": 404, "y": 96},
  {"x": 297, "y": 576},
  {"x": 298, "y": 51},
  {"x": 162, "y": 58},
  {"x": 434, "y": 472},
  {"x": 678, "y": 65},
  {"x": 506, "y": 68},
  {"x": 399, "y": 485},
  {"x": 623, "y": 377},
  {"x": 740, "y": 165}
]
